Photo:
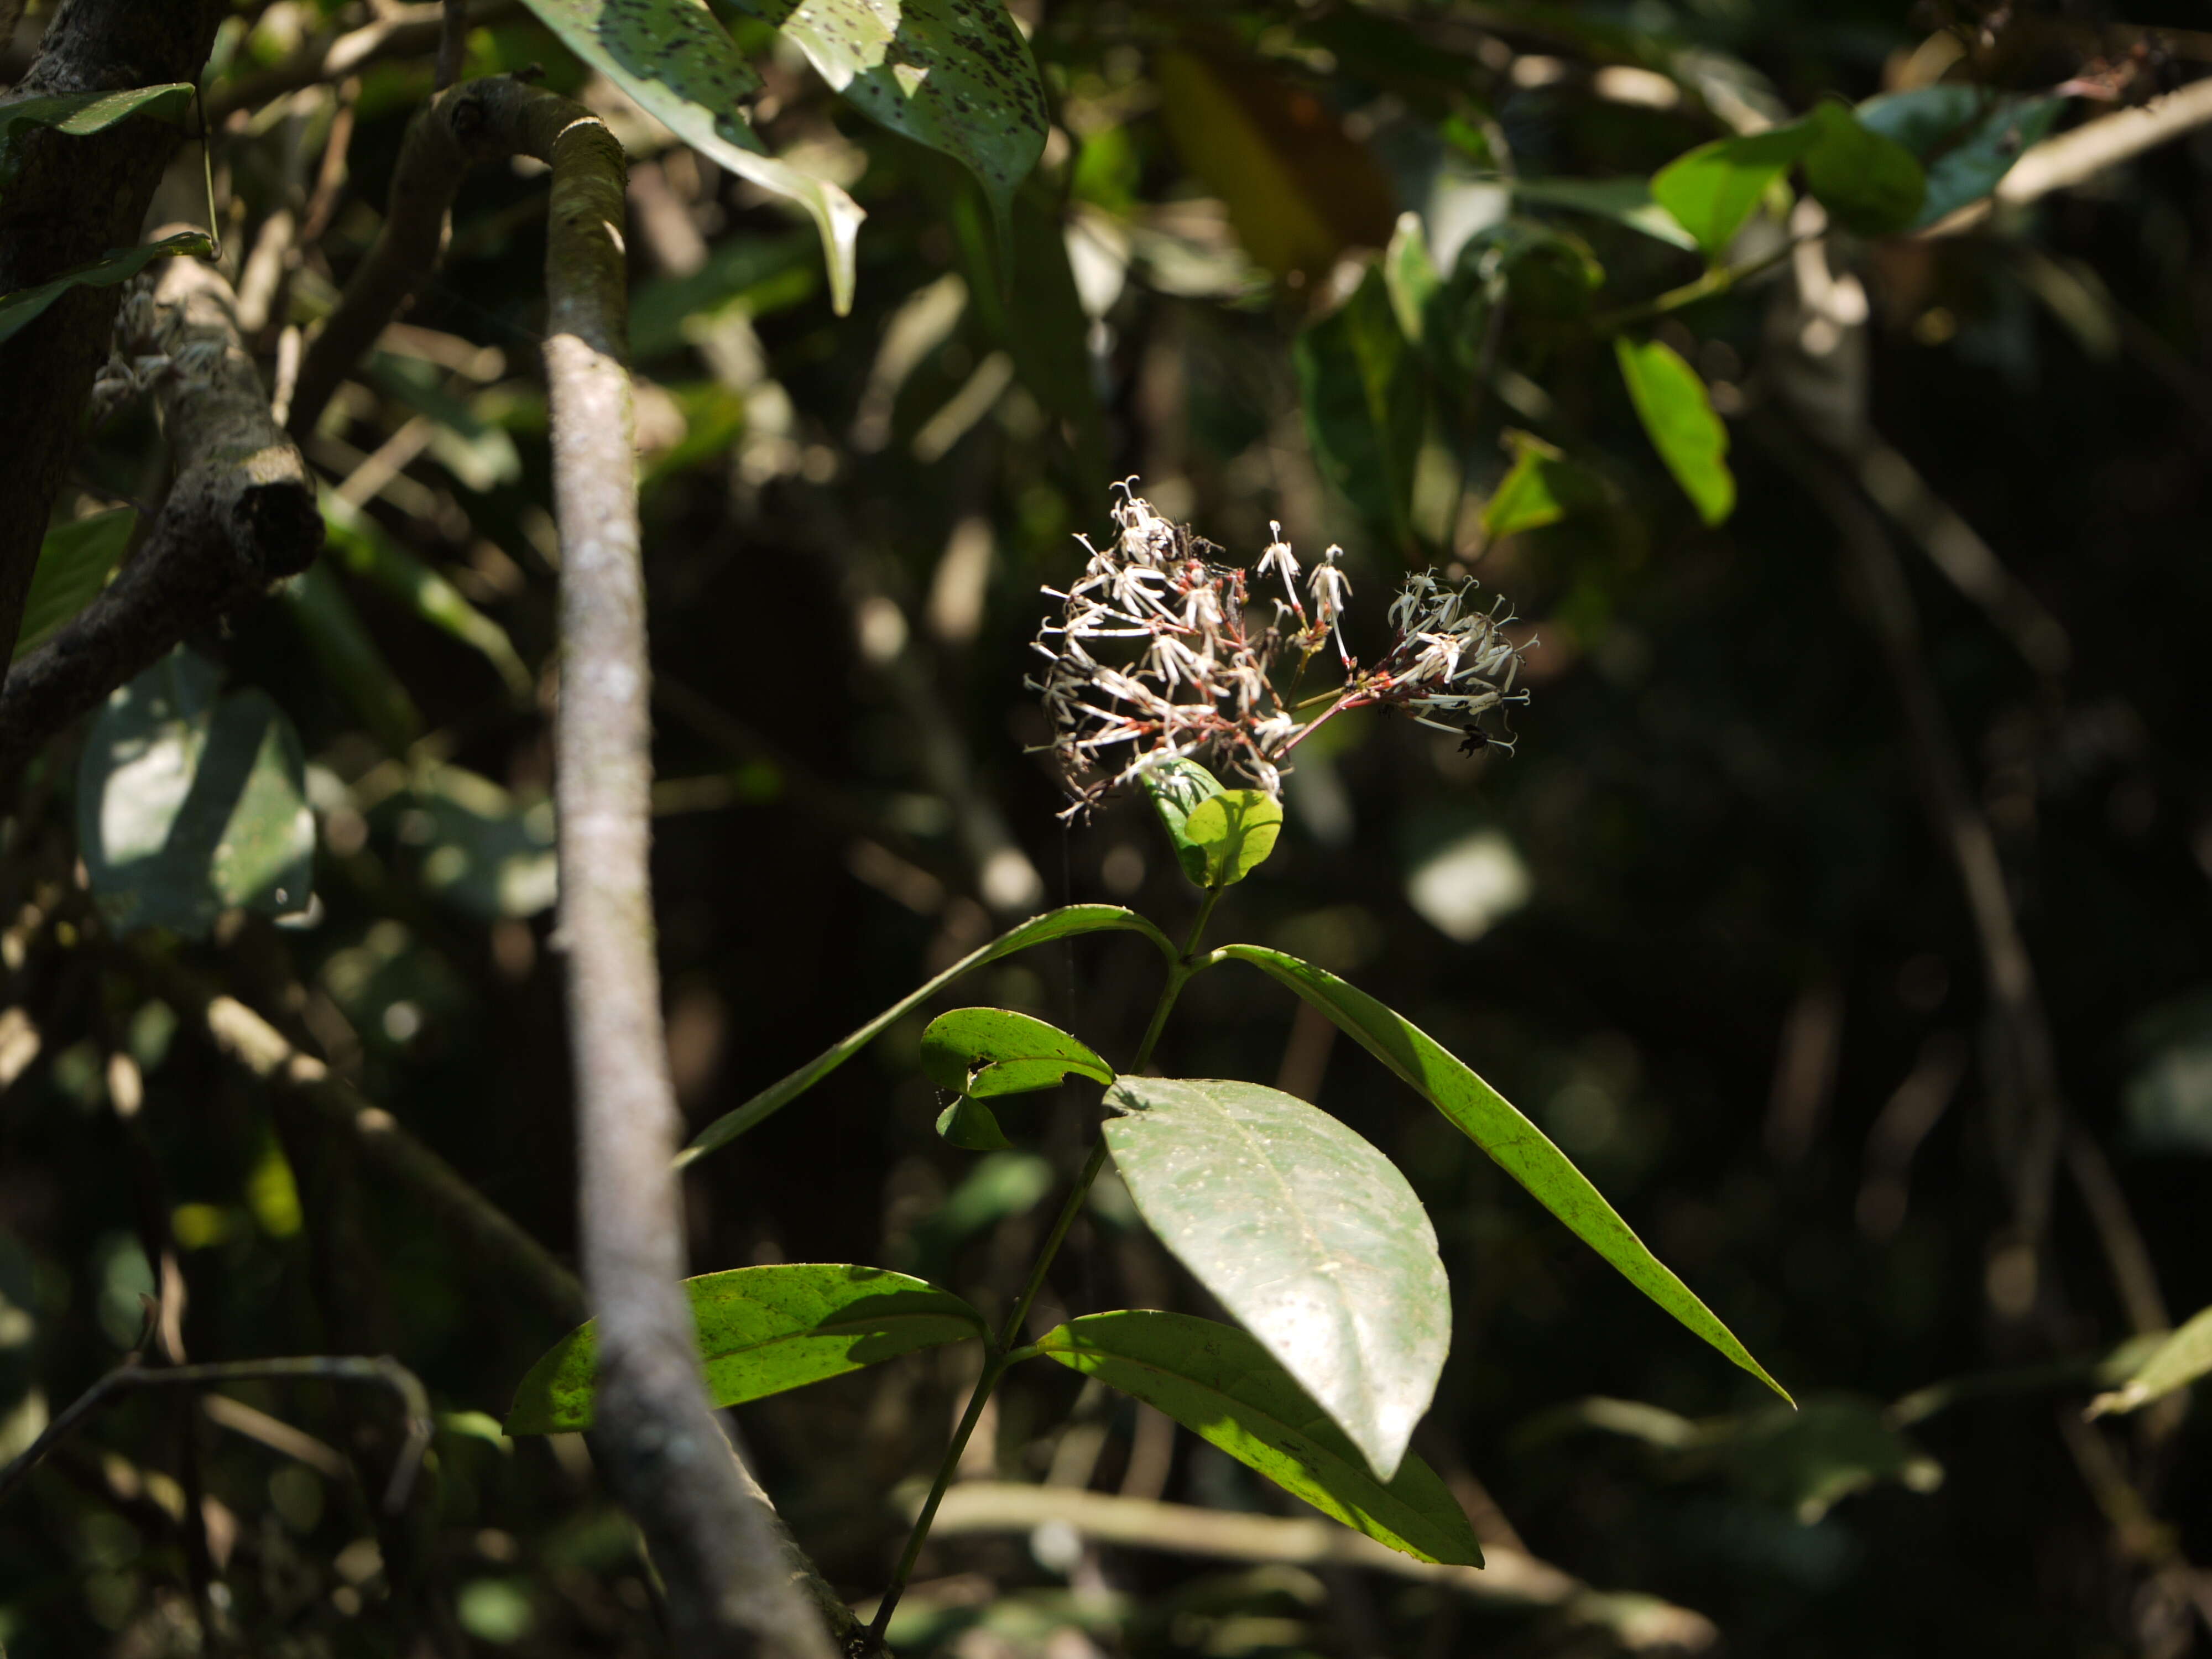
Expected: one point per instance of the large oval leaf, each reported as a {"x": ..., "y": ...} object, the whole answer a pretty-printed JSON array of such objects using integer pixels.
[
  {"x": 1306, "y": 1233},
  {"x": 1711, "y": 191},
  {"x": 955, "y": 74},
  {"x": 763, "y": 1330},
  {"x": 1677, "y": 417},
  {"x": 1517, "y": 1145},
  {"x": 1224, "y": 1387},
  {"x": 682, "y": 69},
  {"x": 1177, "y": 788},
  {"x": 995, "y": 1051},
  {"x": 189, "y": 806},
  {"x": 1234, "y": 831},
  {"x": 1037, "y": 930}
]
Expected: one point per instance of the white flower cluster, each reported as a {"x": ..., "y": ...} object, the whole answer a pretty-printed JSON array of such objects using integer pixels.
[
  {"x": 152, "y": 341},
  {"x": 1153, "y": 659}
]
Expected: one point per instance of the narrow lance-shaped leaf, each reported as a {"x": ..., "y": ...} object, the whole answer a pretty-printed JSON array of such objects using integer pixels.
[
  {"x": 1223, "y": 1386},
  {"x": 1037, "y": 930},
  {"x": 1306, "y": 1233},
  {"x": 1540, "y": 487},
  {"x": 2175, "y": 1362},
  {"x": 1517, "y": 1146},
  {"x": 1967, "y": 137},
  {"x": 74, "y": 561},
  {"x": 683, "y": 68},
  {"x": 1677, "y": 417},
  {"x": 763, "y": 1331},
  {"x": 955, "y": 74},
  {"x": 995, "y": 1051},
  {"x": 18, "y": 310}
]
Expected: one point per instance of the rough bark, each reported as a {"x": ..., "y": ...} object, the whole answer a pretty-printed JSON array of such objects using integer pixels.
[
  {"x": 241, "y": 514},
  {"x": 70, "y": 201}
]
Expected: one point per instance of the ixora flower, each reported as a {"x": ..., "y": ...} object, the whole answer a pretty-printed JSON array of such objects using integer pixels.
[{"x": 1154, "y": 657}]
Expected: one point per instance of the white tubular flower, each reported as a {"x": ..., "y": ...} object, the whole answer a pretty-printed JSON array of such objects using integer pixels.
[{"x": 1151, "y": 657}]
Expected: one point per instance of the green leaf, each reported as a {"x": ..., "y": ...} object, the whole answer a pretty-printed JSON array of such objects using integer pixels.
[
  {"x": 360, "y": 544},
  {"x": 995, "y": 1051},
  {"x": 1177, "y": 788},
  {"x": 970, "y": 1125},
  {"x": 78, "y": 113},
  {"x": 19, "y": 309},
  {"x": 349, "y": 658},
  {"x": 1223, "y": 1387},
  {"x": 1305, "y": 1233},
  {"x": 763, "y": 1331},
  {"x": 1678, "y": 416},
  {"x": 683, "y": 68},
  {"x": 1711, "y": 191},
  {"x": 1037, "y": 930},
  {"x": 188, "y": 806},
  {"x": 1411, "y": 276},
  {"x": 2176, "y": 1362},
  {"x": 1234, "y": 832},
  {"x": 1540, "y": 487},
  {"x": 1869, "y": 183},
  {"x": 1625, "y": 201},
  {"x": 74, "y": 563},
  {"x": 478, "y": 848},
  {"x": 1516, "y": 1145},
  {"x": 1002, "y": 1184},
  {"x": 1549, "y": 273},
  {"x": 1365, "y": 402},
  {"x": 1966, "y": 136},
  {"x": 955, "y": 74}
]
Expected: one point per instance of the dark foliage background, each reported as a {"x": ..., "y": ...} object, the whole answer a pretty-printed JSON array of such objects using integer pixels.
[{"x": 1721, "y": 937}]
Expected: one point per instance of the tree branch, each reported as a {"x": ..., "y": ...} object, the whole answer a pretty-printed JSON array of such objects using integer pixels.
[
  {"x": 657, "y": 1438},
  {"x": 1508, "y": 1578},
  {"x": 372, "y": 1134},
  {"x": 72, "y": 199},
  {"x": 384, "y": 1372},
  {"x": 241, "y": 514}
]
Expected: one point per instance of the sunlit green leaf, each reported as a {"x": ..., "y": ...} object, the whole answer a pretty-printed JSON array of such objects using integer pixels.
[
  {"x": 1309, "y": 1235},
  {"x": 189, "y": 806},
  {"x": 74, "y": 563},
  {"x": 1869, "y": 183},
  {"x": 1176, "y": 788},
  {"x": 683, "y": 68},
  {"x": 1625, "y": 201},
  {"x": 1711, "y": 191},
  {"x": 1411, "y": 276},
  {"x": 2176, "y": 1362},
  {"x": 1518, "y": 1146},
  {"x": 955, "y": 74},
  {"x": 1223, "y": 1386},
  {"x": 995, "y": 1051},
  {"x": 1540, "y": 487},
  {"x": 1037, "y": 930},
  {"x": 763, "y": 1331},
  {"x": 1677, "y": 417},
  {"x": 1234, "y": 831}
]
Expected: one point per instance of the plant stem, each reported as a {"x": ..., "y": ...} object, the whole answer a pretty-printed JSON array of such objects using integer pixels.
[
  {"x": 1717, "y": 281},
  {"x": 1004, "y": 1349}
]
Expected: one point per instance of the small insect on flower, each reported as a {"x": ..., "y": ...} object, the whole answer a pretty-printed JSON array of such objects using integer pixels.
[{"x": 1154, "y": 657}]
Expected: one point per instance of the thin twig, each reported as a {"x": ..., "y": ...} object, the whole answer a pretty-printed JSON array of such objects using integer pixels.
[
  {"x": 1508, "y": 1576},
  {"x": 385, "y": 1372},
  {"x": 452, "y": 42}
]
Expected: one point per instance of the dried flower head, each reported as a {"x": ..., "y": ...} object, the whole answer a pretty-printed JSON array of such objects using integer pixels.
[{"x": 1154, "y": 657}]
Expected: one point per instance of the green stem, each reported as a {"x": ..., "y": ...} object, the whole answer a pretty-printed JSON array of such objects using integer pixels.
[
  {"x": 1004, "y": 1350},
  {"x": 1717, "y": 281}
]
